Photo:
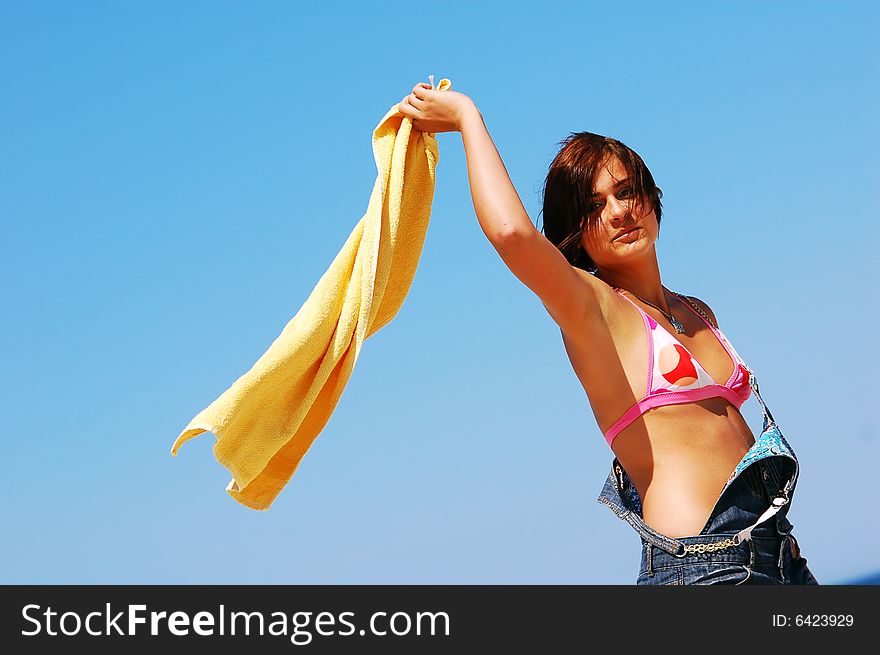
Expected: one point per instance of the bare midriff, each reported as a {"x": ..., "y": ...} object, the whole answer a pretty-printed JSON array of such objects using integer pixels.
[{"x": 679, "y": 458}]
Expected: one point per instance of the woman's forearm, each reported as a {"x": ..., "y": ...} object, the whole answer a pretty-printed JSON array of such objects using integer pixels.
[{"x": 498, "y": 207}]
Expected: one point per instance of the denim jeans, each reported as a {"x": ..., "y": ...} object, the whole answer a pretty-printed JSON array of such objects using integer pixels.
[{"x": 747, "y": 538}]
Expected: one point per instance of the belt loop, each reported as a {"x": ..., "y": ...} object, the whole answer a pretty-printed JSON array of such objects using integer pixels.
[
  {"x": 650, "y": 558},
  {"x": 780, "y": 562}
]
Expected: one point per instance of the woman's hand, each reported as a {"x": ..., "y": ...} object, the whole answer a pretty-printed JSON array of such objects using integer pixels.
[{"x": 435, "y": 111}]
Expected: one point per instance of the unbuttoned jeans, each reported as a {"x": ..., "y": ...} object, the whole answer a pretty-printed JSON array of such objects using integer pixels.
[{"x": 770, "y": 555}]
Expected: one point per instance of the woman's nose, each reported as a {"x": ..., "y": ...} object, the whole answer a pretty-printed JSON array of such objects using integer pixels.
[{"x": 616, "y": 209}]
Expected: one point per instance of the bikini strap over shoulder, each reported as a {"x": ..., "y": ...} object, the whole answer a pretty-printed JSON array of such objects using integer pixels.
[
  {"x": 696, "y": 307},
  {"x": 623, "y": 295}
]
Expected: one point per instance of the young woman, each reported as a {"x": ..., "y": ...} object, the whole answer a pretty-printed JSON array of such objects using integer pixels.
[{"x": 708, "y": 500}]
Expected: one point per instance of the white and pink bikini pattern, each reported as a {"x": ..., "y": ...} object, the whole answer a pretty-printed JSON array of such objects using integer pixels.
[{"x": 674, "y": 369}]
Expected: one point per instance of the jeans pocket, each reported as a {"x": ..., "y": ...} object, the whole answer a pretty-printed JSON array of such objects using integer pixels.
[
  {"x": 799, "y": 573},
  {"x": 728, "y": 573},
  {"x": 670, "y": 575},
  {"x": 796, "y": 570}
]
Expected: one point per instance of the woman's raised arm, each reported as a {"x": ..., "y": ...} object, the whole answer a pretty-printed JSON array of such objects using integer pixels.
[{"x": 569, "y": 296}]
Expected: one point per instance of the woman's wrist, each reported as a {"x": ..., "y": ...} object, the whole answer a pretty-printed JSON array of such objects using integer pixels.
[{"x": 469, "y": 117}]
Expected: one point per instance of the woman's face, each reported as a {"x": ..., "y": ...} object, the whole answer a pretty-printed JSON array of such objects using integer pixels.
[{"x": 617, "y": 209}]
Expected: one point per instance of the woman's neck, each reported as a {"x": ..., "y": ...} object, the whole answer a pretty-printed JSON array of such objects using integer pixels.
[{"x": 640, "y": 281}]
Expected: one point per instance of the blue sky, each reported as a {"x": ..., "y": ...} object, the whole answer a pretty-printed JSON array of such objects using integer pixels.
[{"x": 176, "y": 177}]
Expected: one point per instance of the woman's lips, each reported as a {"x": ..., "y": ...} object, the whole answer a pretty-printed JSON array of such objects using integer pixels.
[{"x": 628, "y": 235}]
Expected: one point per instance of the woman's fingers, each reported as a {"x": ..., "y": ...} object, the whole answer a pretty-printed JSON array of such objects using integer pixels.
[
  {"x": 420, "y": 90},
  {"x": 415, "y": 101},
  {"x": 407, "y": 108}
]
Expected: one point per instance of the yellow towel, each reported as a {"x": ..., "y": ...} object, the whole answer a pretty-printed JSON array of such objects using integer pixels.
[{"x": 268, "y": 419}]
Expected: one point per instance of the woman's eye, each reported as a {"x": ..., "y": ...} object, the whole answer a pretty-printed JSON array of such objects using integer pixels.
[{"x": 625, "y": 191}]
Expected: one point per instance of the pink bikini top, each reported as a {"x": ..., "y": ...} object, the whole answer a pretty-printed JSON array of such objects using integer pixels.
[{"x": 675, "y": 376}]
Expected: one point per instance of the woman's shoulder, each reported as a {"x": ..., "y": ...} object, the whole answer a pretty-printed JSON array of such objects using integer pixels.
[
  {"x": 609, "y": 300},
  {"x": 705, "y": 308}
]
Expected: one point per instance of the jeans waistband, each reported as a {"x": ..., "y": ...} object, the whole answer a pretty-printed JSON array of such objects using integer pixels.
[{"x": 757, "y": 551}]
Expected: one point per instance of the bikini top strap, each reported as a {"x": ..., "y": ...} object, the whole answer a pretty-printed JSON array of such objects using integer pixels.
[
  {"x": 696, "y": 309},
  {"x": 641, "y": 312},
  {"x": 617, "y": 291}
]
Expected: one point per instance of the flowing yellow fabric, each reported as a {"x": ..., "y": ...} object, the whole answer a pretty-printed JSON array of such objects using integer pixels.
[{"x": 268, "y": 419}]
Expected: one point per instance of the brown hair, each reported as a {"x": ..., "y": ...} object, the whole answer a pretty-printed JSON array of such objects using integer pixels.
[{"x": 570, "y": 183}]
